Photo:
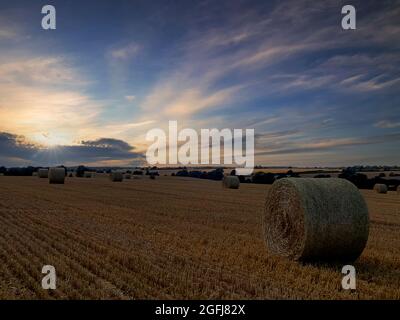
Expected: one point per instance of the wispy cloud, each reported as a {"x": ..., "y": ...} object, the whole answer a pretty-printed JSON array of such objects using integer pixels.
[
  {"x": 130, "y": 98},
  {"x": 387, "y": 124},
  {"x": 332, "y": 144},
  {"x": 125, "y": 52},
  {"x": 37, "y": 71},
  {"x": 7, "y": 34}
]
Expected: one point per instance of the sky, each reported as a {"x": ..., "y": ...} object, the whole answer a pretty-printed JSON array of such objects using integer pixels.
[{"x": 89, "y": 91}]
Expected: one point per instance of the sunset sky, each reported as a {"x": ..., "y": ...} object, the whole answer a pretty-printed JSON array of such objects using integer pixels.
[{"x": 87, "y": 92}]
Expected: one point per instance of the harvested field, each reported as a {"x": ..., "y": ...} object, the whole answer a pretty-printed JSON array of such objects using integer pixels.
[{"x": 171, "y": 238}]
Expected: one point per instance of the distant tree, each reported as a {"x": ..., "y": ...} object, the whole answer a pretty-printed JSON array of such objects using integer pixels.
[
  {"x": 263, "y": 178},
  {"x": 80, "y": 171}
]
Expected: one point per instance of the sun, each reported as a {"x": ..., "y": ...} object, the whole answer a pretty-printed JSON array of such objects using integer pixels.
[{"x": 50, "y": 139}]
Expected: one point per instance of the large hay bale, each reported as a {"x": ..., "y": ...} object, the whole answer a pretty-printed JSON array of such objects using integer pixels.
[
  {"x": 231, "y": 182},
  {"x": 43, "y": 173},
  {"x": 380, "y": 188},
  {"x": 116, "y": 176},
  {"x": 56, "y": 175},
  {"x": 310, "y": 219}
]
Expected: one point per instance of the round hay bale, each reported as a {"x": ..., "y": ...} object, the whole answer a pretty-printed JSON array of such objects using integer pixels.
[
  {"x": 231, "y": 182},
  {"x": 380, "y": 188},
  {"x": 116, "y": 176},
  {"x": 56, "y": 175},
  {"x": 43, "y": 173},
  {"x": 310, "y": 219},
  {"x": 88, "y": 174}
]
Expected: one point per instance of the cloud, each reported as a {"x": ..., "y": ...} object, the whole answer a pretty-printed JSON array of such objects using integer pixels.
[
  {"x": 126, "y": 52},
  {"x": 387, "y": 124},
  {"x": 318, "y": 145},
  {"x": 257, "y": 54},
  {"x": 7, "y": 34},
  {"x": 19, "y": 149},
  {"x": 108, "y": 143},
  {"x": 39, "y": 71},
  {"x": 260, "y": 137},
  {"x": 130, "y": 98}
]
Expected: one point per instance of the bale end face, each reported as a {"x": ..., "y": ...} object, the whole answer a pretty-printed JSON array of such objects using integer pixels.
[
  {"x": 309, "y": 219},
  {"x": 231, "y": 182},
  {"x": 116, "y": 176},
  {"x": 380, "y": 188},
  {"x": 43, "y": 173},
  {"x": 88, "y": 174},
  {"x": 56, "y": 175}
]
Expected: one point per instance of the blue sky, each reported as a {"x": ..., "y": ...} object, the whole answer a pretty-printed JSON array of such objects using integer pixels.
[{"x": 89, "y": 91}]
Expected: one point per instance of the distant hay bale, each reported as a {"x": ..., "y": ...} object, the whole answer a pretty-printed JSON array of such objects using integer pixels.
[
  {"x": 380, "y": 188},
  {"x": 310, "y": 219},
  {"x": 56, "y": 175},
  {"x": 43, "y": 173},
  {"x": 231, "y": 182},
  {"x": 88, "y": 174},
  {"x": 116, "y": 176}
]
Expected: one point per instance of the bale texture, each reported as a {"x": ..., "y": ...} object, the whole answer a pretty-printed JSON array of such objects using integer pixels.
[
  {"x": 322, "y": 219},
  {"x": 56, "y": 175},
  {"x": 43, "y": 173},
  {"x": 231, "y": 182},
  {"x": 116, "y": 176},
  {"x": 380, "y": 188}
]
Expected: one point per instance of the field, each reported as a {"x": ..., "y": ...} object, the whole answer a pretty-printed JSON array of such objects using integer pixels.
[{"x": 170, "y": 238}]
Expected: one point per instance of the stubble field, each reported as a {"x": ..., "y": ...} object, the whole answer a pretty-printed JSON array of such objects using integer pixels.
[{"x": 170, "y": 238}]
